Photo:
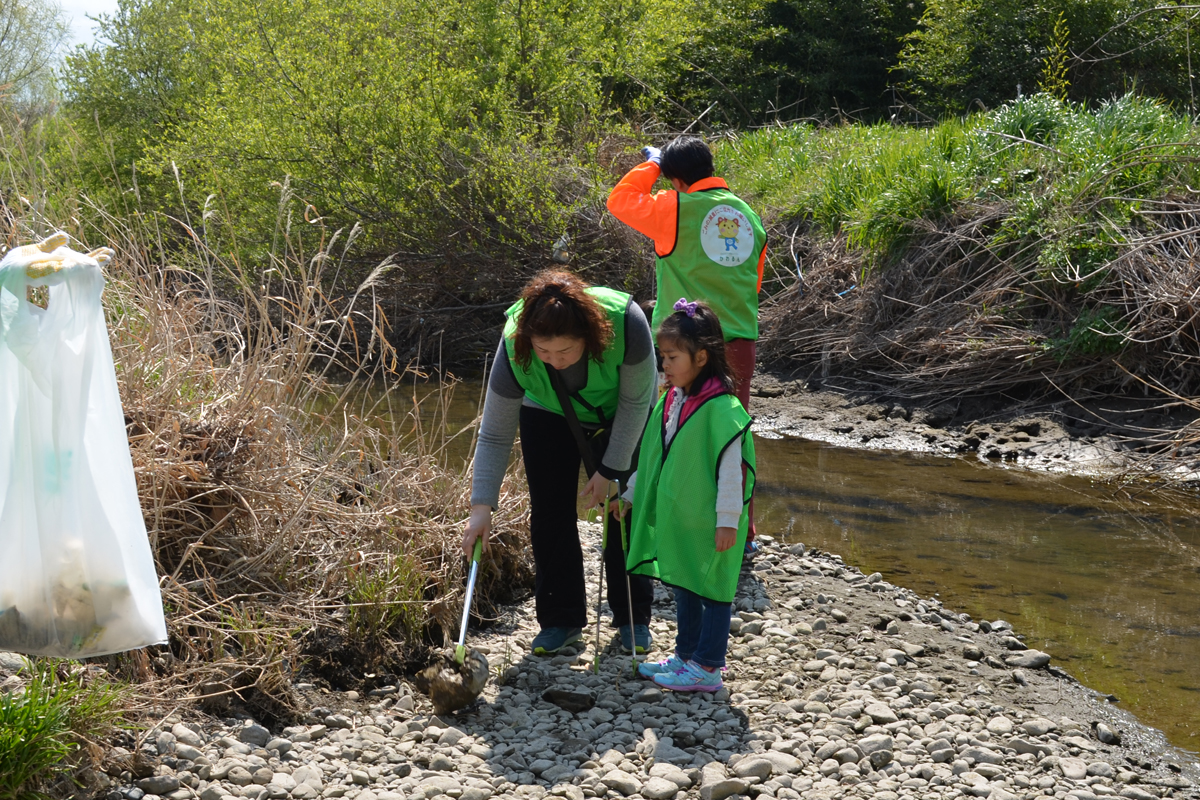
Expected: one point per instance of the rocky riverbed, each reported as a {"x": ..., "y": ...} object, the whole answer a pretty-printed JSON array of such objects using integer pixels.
[
  {"x": 839, "y": 685},
  {"x": 1092, "y": 437}
]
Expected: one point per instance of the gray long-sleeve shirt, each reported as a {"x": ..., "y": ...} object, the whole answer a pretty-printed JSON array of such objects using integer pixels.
[{"x": 502, "y": 409}]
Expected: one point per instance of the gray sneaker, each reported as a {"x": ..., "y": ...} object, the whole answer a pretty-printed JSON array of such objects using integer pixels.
[
  {"x": 550, "y": 640},
  {"x": 641, "y": 637}
]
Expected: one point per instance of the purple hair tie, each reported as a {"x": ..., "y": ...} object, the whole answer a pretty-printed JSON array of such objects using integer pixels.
[{"x": 683, "y": 305}]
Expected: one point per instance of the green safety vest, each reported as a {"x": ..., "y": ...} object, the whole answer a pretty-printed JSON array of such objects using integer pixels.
[
  {"x": 718, "y": 242},
  {"x": 673, "y": 535},
  {"x": 601, "y": 394}
]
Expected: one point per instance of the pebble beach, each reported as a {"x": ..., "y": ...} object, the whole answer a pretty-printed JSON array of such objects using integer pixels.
[{"x": 839, "y": 685}]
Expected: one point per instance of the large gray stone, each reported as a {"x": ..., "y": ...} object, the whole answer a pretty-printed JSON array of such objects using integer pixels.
[
  {"x": 310, "y": 775},
  {"x": 672, "y": 773},
  {"x": 159, "y": 784},
  {"x": 1136, "y": 793},
  {"x": 1027, "y": 659},
  {"x": 982, "y": 755},
  {"x": 782, "y": 763},
  {"x": 284, "y": 781},
  {"x": 1073, "y": 768},
  {"x": 434, "y": 785},
  {"x": 254, "y": 734},
  {"x": 719, "y": 790},
  {"x": 880, "y": 713},
  {"x": 621, "y": 782},
  {"x": 876, "y": 743},
  {"x": 12, "y": 663},
  {"x": 183, "y": 733},
  {"x": 753, "y": 767},
  {"x": 239, "y": 776},
  {"x": 665, "y": 750},
  {"x": 187, "y": 752},
  {"x": 1000, "y": 726},
  {"x": 659, "y": 789},
  {"x": 1038, "y": 727},
  {"x": 1033, "y": 748},
  {"x": 557, "y": 773}
]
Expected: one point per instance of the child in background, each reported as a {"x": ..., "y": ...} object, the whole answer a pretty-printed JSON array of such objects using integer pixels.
[{"x": 690, "y": 501}]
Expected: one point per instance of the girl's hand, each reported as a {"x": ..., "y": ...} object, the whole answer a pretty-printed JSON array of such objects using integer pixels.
[
  {"x": 618, "y": 508},
  {"x": 480, "y": 524},
  {"x": 726, "y": 538}
]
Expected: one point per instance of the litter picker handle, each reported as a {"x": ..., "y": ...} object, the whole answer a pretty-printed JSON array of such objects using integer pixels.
[{"x": 460, "y": 651}]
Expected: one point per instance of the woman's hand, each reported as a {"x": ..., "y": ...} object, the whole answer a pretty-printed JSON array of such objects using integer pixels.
[
  {"x": 726, "y": 538},
  {"x": 596, "y": 491},
  {"x": 479, "y": 525}
]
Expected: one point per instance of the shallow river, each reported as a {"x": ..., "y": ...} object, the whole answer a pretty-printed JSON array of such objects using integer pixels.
[{"x": 1109, "y": 589}]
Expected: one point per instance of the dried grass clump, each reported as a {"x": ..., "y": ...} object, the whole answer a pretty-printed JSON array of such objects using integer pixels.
[
  {"x": 291, "y": 530},
  {"x": 956, "y": 315}
]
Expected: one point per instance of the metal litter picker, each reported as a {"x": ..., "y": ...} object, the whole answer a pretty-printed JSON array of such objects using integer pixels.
[
  {"x": 460, "y": 652},
  {"x": 600, "y": 588}
]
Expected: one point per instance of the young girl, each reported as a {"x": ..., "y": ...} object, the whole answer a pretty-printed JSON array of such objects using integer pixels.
[{"x": 690, "y": 499}]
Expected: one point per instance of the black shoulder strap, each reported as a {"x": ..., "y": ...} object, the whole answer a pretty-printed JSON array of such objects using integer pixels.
[{"x": 585, "y": 452}]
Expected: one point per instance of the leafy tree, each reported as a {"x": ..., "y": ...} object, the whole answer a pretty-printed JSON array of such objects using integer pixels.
[
  {"x": 31, "y": 33},
  {"x": 970, "y": 53},
  {"x": 784, "y": 59},
  {"x": 449, "y": 130}
]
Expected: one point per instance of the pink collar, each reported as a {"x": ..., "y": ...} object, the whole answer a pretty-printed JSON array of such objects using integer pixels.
[{"x": 711, "y": 388}]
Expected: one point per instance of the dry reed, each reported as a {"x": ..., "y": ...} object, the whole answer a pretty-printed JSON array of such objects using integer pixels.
[
  {"x": 955, "y": 315},
  {"x": 291, "y": 531}
]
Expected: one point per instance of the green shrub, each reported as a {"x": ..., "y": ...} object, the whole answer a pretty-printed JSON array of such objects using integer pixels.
[
  {"x": 387, "y": 599},
  {"x": 41, "y": 726}
]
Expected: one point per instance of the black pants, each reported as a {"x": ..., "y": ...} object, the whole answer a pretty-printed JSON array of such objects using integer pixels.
[{"x": 552, "y": 469}]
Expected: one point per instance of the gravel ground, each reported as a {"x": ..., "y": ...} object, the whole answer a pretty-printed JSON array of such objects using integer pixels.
[{"x": 839, "y": 685}]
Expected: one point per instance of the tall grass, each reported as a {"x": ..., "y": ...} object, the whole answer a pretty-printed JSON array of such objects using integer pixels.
[
  {"x": 880, "y": 184},
  {"x": 291, "y": 531},
  {"x": 52, "y": 726}
]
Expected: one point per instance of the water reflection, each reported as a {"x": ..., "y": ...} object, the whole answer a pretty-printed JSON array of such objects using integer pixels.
[{"x": 1107, "y": 588}]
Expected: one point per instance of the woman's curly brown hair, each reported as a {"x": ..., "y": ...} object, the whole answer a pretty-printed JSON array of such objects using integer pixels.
[{"x": 557, "y": 304}]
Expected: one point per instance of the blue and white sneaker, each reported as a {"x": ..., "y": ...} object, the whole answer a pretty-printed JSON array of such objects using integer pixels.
[
  {"x": 648, "y": 669},
  {"x": 641, "y": 638},
  {"x": 550, "y": 640},
  {"x": 692, "y": 678}
]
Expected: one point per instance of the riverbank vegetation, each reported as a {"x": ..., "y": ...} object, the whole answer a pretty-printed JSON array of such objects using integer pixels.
[{"x": 1039, "y": 242}]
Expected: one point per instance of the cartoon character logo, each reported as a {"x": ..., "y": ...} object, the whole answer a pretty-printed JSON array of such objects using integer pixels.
[
  {"x": 723, "y": 236},
  {"x": 728, "y": 229}
]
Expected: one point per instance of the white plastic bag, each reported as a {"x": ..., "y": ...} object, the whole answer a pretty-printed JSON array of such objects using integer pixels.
[{"x": 77, "y": 577}]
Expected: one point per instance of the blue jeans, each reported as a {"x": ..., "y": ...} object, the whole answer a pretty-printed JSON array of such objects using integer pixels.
[{"x": 703, "y": 624}]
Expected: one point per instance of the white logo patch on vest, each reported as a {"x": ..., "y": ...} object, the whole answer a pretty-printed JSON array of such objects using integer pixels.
[{"x": 726, "y": 236}]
